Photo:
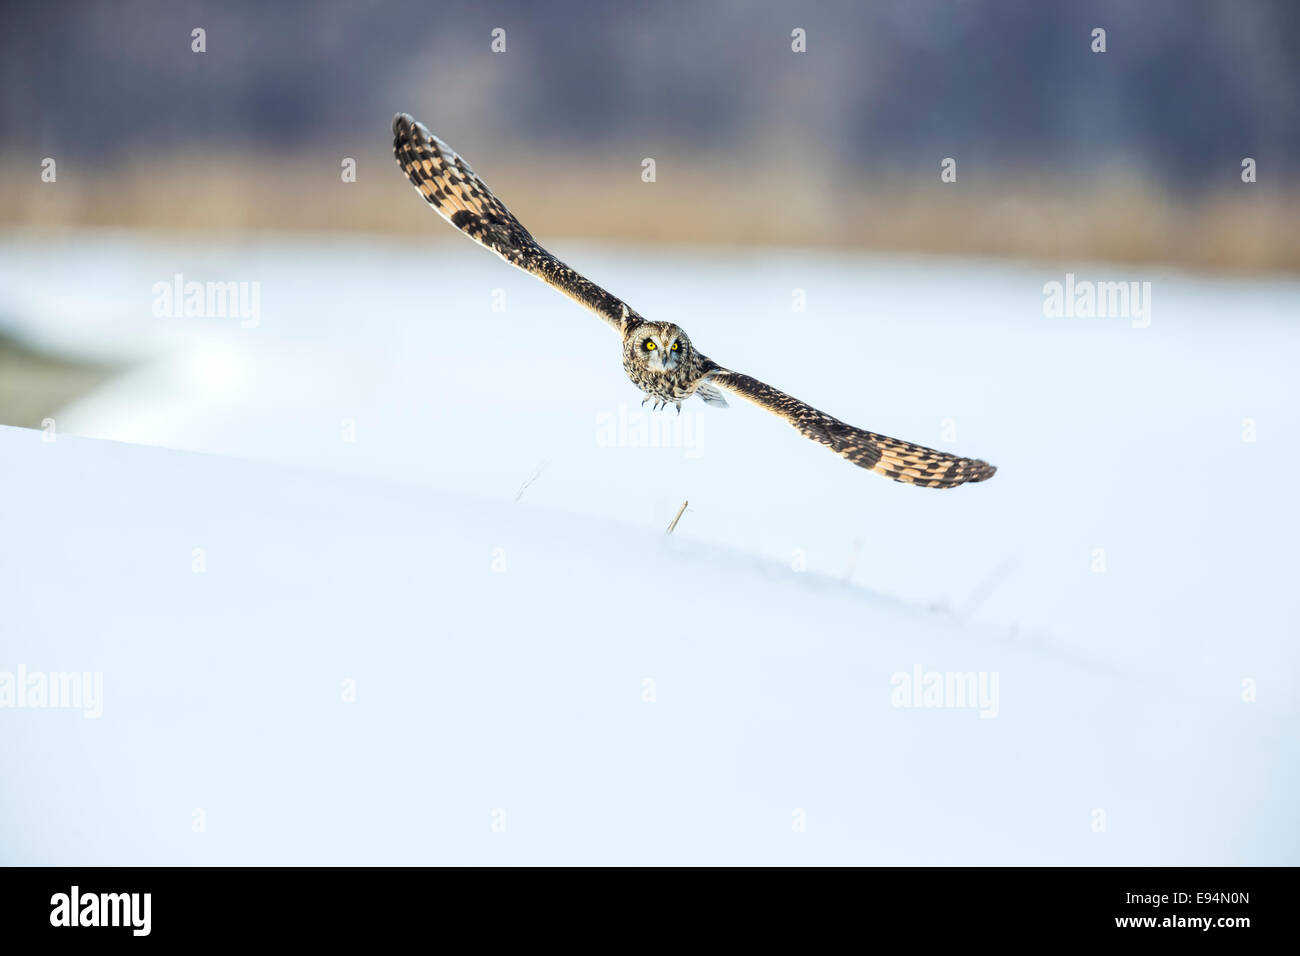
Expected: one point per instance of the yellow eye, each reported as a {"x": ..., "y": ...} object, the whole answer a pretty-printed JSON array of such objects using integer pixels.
[
  {"x": 674, "y": 346},
  {"x": 649, "y": 346}
]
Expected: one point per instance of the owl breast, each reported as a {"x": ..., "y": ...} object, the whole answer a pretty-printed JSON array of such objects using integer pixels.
[{"x": 671, "y": 385}]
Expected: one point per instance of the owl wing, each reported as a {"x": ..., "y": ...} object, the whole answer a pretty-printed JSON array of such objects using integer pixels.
[
  {"x": 899, "y": 460},
  {"x": 457, "y": 194}
]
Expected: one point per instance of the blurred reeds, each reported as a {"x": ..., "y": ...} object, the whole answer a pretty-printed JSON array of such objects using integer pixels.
[
  {"x": 1126, "y": 219},
  {"x": 35, "y": 384}
]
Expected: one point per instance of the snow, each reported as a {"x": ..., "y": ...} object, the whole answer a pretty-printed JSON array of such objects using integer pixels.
[{"x": 499, "y": 647}]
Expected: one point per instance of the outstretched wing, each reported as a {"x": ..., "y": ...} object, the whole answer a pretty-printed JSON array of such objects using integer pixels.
[
  {"x": 459, "y": 196},
  {"x": 900, "y": 460}
]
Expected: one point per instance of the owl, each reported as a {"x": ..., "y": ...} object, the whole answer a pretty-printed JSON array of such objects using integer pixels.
[{"x": 658, "y": 357}]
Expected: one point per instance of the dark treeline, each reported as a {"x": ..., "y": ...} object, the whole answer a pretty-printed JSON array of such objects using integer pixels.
[{"x": 1185, "y": 89}]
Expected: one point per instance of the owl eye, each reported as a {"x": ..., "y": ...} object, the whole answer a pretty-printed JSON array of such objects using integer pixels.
[
  {"x": 649, "y": 346},
  {"x": 674, "y": 346}
]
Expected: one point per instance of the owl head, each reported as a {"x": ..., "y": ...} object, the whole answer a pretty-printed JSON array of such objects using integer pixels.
[{"x": 661, "y": 346}]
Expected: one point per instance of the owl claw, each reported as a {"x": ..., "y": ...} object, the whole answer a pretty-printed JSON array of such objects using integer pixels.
[{"x": 660, "y": 403}]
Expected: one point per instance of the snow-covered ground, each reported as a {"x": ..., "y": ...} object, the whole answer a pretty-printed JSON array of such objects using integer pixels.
[{"x": 352, "y": 468}]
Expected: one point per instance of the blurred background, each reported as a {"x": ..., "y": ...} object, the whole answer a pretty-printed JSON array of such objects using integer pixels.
[
  {"x": 1062, "y": 153},
  {"x": 1132, "y": 154},
  {"x": 1125, "y": 570}
]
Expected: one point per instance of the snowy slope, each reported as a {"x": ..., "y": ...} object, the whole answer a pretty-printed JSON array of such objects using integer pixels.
[
  {"x": 1106, "y": 437},
  {"x": 388, "y": 419},
  {"x": 500, "y": 650}
]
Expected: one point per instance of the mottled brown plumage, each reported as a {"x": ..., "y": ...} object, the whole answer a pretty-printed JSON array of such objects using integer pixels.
[
  {"x": 449, "y": 185},
  {"x": 660, "y": 360},
  {"x": 900, "y": 460},
  {"x": 657, "y": 356}
]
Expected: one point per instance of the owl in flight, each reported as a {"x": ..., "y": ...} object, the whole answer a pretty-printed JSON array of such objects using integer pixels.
[{"x": 658, "y": 357}]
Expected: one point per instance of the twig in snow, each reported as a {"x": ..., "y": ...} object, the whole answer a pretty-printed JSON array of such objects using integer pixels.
[
  {"x": 853, "y": 560},
  {"x": 680, "y": 511},
  {"x": 524, "y": 486},
  {"x": 988, "y": 586}
]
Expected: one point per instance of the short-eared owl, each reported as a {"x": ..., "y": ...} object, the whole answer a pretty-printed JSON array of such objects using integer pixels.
[{"x": 658, "y": 357}]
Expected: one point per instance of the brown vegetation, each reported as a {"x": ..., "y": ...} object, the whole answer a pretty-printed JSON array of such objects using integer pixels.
[{"x": 1241, "y": 227}]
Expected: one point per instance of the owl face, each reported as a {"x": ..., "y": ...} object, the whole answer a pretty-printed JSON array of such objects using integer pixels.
[{"x": 662, "y": 347}]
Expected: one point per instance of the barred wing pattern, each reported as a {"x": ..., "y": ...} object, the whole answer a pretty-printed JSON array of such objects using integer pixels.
[
  {"x": 899, "y": 460},
  {"x": 457, "y": 194}
]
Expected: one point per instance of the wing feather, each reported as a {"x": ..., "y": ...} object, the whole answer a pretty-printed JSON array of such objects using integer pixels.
[
  {"x": 899, "y": 460},
  {"x": 456, "y": 192}
]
